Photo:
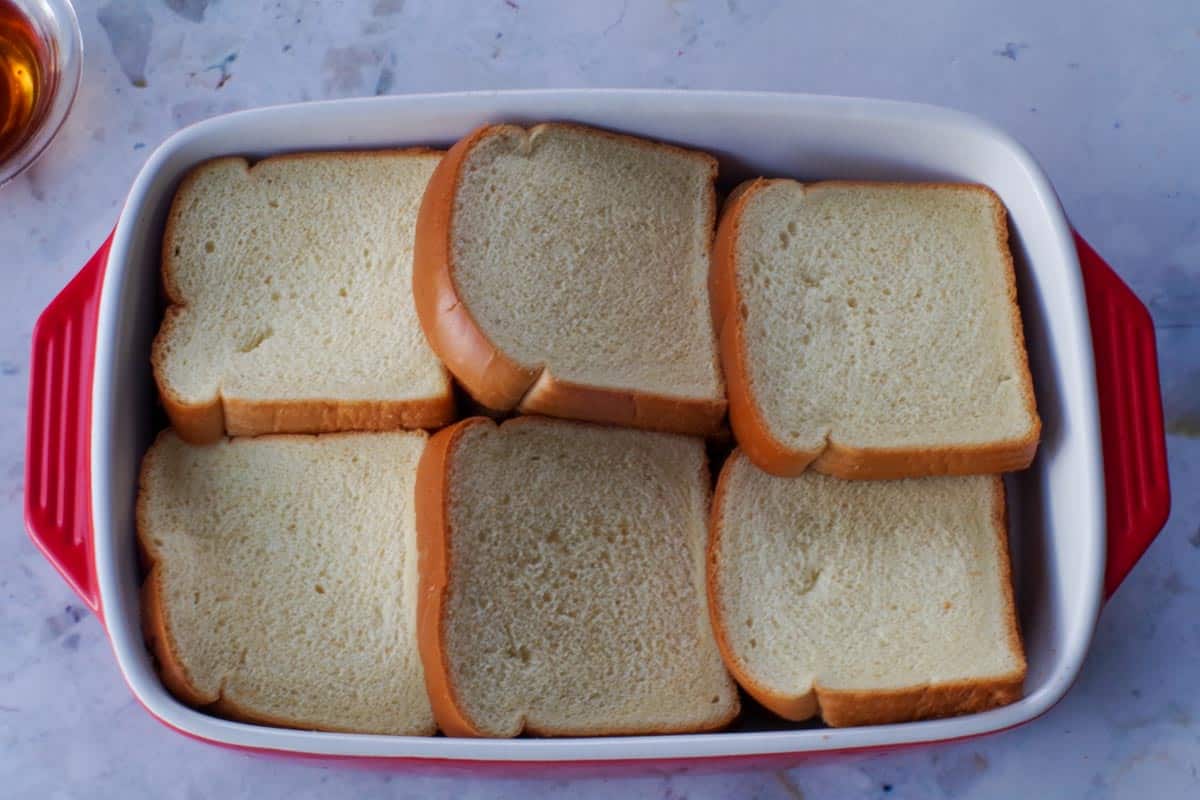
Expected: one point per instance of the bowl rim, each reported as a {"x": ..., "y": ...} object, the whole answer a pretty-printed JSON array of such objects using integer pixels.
[{"x": 67, "y": 46}]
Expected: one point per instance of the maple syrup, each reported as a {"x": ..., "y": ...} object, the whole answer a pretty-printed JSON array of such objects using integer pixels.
[{"x": 26, "y": 79}]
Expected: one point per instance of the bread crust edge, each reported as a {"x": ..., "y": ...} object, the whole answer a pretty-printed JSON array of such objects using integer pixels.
[{"x": 433, "y": 582}]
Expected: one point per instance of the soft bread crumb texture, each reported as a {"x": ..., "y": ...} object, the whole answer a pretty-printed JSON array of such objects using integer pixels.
[
  {"x": 881, "y": 315},
  {"x": 576, "y": 598},
  {"x": 287, "y": 570},
  {"x": 588, "y": 253},
  {"x": 863, "y": 585},
  {"x": 292, "y": 280}
]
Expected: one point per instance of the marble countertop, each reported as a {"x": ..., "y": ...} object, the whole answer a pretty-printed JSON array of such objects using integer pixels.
[{"x": 1106, "y": 95}]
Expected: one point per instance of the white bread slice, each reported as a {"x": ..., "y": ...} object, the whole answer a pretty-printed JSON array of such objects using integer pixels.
[
  {"x": 871, "y": 330},
  {"x": 562, "y": 581},
  {"x": 562, "y": 270},
  {"x": 290, "y": 285},
  {"x": 282, "y": 578},
  {"x": 868, "y": 602}
]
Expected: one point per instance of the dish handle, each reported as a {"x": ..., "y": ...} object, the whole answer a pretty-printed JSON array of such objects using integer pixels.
[
  {"x": 1138, "y": 496},
  {"x": 58, "y": 507}
]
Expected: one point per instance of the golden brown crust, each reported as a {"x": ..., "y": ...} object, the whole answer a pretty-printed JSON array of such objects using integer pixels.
[
  {"x": 877, "y": 463},
  {"x": 1028, "y": 445},
  {"x": 844, "y": 461},
  {"x": 841, "y": 707},
  {"x": 161, "y": 644},
  {"x": 749, "y": 427},
  {"x": 207, "y": 421},
  {"x": 793, "y": 707},
  {"x": 197, "y": 423},
  {"x": 231, "y": 709},
  {"x": 433, "y": 568},
  {"x": 1004, "y": 560},
  {"x": 661, "y": 730},
  {"x": 490, "y": 376},
  {"x": 252, "y": 418},
  {"x": 557, "y": 398},
  {"x": 156, "y": 627}
]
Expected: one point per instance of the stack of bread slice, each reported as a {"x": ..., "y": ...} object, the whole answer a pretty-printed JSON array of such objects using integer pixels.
[
  {"x": 868, "y": 331},
  {"x": 377, "y": 563}
]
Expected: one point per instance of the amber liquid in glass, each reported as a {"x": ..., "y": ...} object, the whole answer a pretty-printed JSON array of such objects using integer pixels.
[{"x": 23, "y": 79}]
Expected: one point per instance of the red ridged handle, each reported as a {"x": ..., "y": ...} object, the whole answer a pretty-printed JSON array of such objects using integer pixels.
[
  {"x": 58, "y": 508},
  {"x": 1138, "y": 496}
]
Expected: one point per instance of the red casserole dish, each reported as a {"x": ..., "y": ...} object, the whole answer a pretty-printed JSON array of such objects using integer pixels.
[{"x": 1080, "y": 517}]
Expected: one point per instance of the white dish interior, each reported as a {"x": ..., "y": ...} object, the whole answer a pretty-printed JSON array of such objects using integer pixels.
[{"x": 1056, "y": 508}]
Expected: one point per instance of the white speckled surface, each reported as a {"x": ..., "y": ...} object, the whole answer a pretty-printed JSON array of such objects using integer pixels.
[{"x": 1107, "y": 95}]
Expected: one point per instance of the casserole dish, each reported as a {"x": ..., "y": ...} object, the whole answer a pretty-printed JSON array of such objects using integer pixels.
[{"x": 1079, "y": 518}]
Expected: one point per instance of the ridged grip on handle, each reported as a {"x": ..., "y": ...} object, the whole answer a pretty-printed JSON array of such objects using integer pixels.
[
  {"x": 1136, "y": 484},
  {"x": 58, "y": 445}
]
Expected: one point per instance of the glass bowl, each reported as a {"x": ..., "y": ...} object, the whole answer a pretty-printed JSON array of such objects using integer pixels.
[{"x": 61, "y": 55}]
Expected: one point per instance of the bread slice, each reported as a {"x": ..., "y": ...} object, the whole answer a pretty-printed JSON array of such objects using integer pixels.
[
  {"x": 290, "y": 283},
  {"x": 561, "y": 270},
  {"x": 562, "y": 581},
  {"x": 282, "y": 578},
  {"x": 867, "y": 602},
  {"x": 871, "y": 330}
]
